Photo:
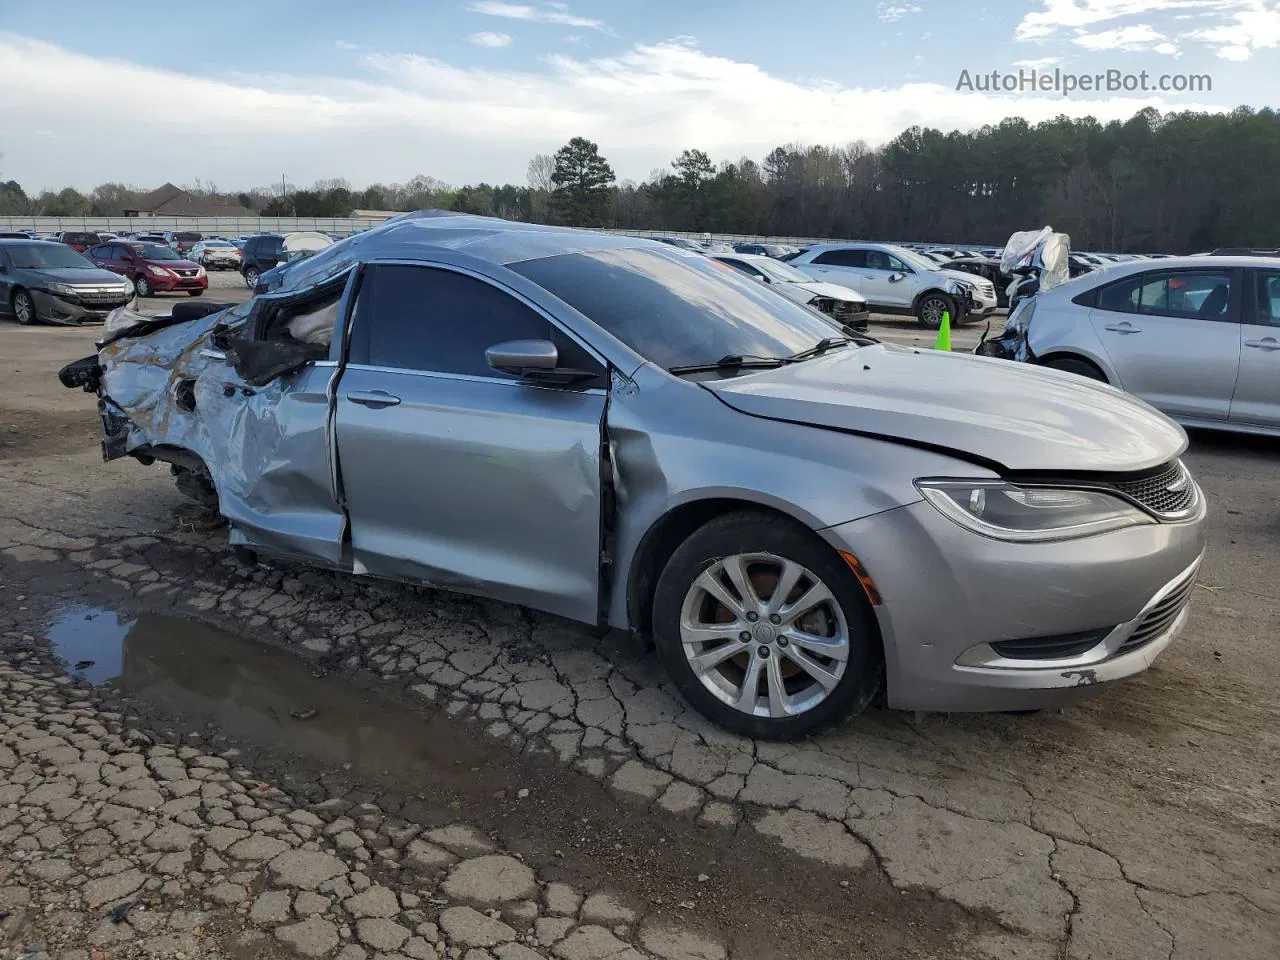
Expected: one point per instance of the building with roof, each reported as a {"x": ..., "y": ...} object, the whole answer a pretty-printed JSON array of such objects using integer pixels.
[{"x": 173, "y": 201}]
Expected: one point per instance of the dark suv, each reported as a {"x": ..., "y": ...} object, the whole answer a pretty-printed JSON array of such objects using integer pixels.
[
  {"x": 79, "y": 240},
  {"x": 260, "y": 254}
]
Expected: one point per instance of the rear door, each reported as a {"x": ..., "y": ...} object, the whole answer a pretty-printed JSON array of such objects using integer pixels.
[
  {"x": 845, "y": 267},
  {"x": 1257, "y": 397},
  {"x": 1173, "y": 337},
  {"x": 456, "y": 474}
]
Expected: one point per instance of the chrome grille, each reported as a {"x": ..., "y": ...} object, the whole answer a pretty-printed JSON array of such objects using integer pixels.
[
  {"x": 185, "y": 273},
  {"x": 1161, "y": 617},
  {"x": 1168, "y": 493}
]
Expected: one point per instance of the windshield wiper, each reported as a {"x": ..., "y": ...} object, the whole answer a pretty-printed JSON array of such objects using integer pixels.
[
  {"x": 819, "y": 348},
  {"x": 733, "y": 361}
]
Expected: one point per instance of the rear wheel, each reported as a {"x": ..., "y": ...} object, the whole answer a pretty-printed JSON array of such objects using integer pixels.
[
  {"x": 24, "y": 308},
  {"x": 251, "y": 275},
  {"x": 1081, "y": 368},
  {"x": 764, "y": 629},
  {"x": 931, "y": 307}
]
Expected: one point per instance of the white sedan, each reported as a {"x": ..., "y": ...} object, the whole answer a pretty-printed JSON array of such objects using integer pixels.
[{"x": 845, "y": 306}]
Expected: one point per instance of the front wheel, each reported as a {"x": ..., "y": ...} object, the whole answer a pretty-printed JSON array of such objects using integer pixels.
[
  {"x": 24, "y": 308},
  {"x": 764, "y": 628},
  {"x": 142, "y": 286},
  {"x": 931, "y": 307},
  {"x": 194, "y": 293}
]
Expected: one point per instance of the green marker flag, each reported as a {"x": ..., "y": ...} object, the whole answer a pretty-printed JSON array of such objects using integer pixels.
[{"x": 944, "y": 333}]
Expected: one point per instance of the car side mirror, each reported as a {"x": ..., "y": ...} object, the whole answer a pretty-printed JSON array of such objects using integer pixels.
[
  {"x": 534, "y": 360},
  {"x": 895, "y": 277}
]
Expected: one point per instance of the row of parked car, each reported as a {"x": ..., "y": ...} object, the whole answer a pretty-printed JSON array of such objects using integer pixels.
[{"x": 76, "y": 277}]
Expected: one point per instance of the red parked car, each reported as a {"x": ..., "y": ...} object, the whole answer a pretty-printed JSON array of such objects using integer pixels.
[{"x": 153, "y": 267}]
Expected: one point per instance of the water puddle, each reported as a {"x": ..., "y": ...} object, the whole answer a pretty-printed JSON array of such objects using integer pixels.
[{"x": 196, "y": 671}]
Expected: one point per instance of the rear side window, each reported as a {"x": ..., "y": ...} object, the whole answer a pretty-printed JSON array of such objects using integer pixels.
[
  {"x": 842, "y": 258},
  {"x": 1192, "y": 294},
  {"x": 424, "y": 318}
]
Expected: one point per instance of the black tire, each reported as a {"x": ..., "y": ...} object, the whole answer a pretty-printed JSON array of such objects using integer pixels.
[
  {"x": 251, "y": 275},
  {"x": 760, "y": 532},
  {"x": 929, "y": 310},
  {"x": 194, "y": 293},
  {"x": 142, "y": 286},
  {"x": 24, "y": 307},
  {"x": 1081, "y": 368}
]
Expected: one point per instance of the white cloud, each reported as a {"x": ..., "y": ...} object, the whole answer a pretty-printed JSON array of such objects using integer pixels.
[
  {"x": 487, "y": 38},
  {"x": 1040, "y": 63},
  {"x": 893, "y": 12},
  {"x": 417, "y": 115},
  {"x": 1058, "y": 15},
  {"x": 547, "y": 13},
  {"x": 346, "y": 45},
  {"x": 1139, "y": 37},
  {"x": 1255, "y": 28}
]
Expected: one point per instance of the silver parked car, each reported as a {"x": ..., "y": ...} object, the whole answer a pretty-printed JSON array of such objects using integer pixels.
[
  {"x": 633, "y": 436},
  {"x": 1198, "y": 338}
]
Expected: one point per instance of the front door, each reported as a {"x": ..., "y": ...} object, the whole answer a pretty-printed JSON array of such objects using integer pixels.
[
  {"x": 1257, "y": 397},
  {"x": 1173, "y": 337},
  {"x": 879, "y": 284},
  {"x": 456, "y": 474}
]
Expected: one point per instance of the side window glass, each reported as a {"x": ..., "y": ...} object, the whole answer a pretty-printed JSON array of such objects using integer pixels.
[
  {"x": 834, "y": 258},
  {"x": 1268, "y": 298},
  {"x": 1201, "y": 295},
  {"x": 422, "y": 318},
  {"x": 1121, "y": 297},
  {"x": 897, "y": 266},
  {"x": 877, "y": 260}
]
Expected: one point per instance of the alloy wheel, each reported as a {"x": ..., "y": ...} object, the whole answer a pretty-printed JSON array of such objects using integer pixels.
[
  {"x": 24, "y": 309},
  {"x": 931, "y": 311},
  {"x": 142, "y": 286},
  {"x": 764, "y": 635}
]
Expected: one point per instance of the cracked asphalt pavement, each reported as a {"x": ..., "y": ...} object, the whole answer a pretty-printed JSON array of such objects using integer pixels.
[{"x": 510, "y": 785}]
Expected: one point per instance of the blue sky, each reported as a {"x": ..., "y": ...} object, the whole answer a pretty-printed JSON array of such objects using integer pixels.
[{"x": 463, "y": 90}]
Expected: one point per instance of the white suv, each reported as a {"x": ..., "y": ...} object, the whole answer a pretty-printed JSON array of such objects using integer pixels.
[{"x": 897, "y": 280}]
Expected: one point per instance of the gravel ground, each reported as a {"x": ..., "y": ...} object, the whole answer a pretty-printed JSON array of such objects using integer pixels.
[{"x": 1142, "y": 824}]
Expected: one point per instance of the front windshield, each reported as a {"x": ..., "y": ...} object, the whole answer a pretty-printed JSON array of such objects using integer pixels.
[
  {"x": 155, "y": 251},
  {"x": 47, "y": 256},
  {"x": 913, "y": 258},
  {"x": 780, "y": 272},
  {"x": 675, "y": 309}
]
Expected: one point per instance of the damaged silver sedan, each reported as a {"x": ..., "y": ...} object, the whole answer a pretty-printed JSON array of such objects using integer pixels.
[{"x": 624, "y": 434}]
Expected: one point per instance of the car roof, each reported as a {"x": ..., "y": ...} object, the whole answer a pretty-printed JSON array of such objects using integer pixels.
[{"x": 425, "y": 234}]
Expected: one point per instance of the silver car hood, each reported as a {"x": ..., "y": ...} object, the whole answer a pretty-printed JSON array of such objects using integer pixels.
[
  {"x": 821, "y": 288},
  {"x": 1021, "y": 417}
]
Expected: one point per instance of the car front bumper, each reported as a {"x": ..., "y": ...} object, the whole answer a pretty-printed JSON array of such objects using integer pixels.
[
  {"x": 53, "y": 308},
  {"x": 172, "y": 284},
  {"x": 947, "y": 595}
]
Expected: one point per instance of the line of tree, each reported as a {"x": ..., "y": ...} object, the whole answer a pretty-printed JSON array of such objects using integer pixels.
[{"x": 1178, "y": 182}]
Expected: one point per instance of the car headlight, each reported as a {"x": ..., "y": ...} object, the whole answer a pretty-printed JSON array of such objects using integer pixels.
[
  {"x": 61, "y": 289},
  {"x": 199, "y": 271},
  {"x": 157, "y": 271},
  {"x": 1004, "y": 511}
]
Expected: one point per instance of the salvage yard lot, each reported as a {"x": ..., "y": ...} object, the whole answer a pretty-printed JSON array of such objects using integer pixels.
[{"x": 1142, "y": 824}]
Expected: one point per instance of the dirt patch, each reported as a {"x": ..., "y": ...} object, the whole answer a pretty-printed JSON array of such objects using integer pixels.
[{"x": 38, "y": 433}]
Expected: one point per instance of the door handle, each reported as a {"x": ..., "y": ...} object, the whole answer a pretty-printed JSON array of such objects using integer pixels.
[
  {"x": 1266, "y": 343},
  {"x": 373, "y": 398},
  {"x": 1123, "y": 328}
]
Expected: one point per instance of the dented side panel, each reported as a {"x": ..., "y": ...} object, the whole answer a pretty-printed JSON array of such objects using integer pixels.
[{"x": 265, "y": 448}]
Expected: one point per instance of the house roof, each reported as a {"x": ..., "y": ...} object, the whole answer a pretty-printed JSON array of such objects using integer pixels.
[{"x": 172, "y": 201}]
